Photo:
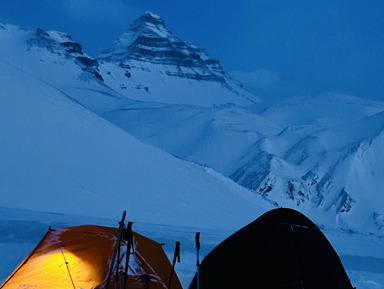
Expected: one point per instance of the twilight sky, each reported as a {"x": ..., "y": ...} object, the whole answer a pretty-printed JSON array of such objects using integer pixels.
[{"x": 274, "y": 47}]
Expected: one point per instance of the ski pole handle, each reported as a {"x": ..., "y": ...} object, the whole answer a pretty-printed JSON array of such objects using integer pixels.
[
  {"x": 177, "y": 252},
  {"x": 176, "y": 256},
  {"x": 197, "y": 239}
]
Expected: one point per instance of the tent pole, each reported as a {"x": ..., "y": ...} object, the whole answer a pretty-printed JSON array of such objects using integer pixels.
[{"x": 117, "y": 249}]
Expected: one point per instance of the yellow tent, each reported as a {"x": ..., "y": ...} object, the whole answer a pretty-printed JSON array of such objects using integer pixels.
[{"x": 80, "y": 257}]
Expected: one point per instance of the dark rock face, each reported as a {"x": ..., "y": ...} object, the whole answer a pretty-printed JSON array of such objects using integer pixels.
[
  {"x": 43, "y": 40},
  {"x": 62, "y": 44},
  {"x": 87, "y": 61},
  {"x": 72, "y": 47},
  {"x": 41, "y": 33},
  {"x": 148, "y": 40},
  {"x": 379, "y": 220},
  {"x": 252, "y": 174},
  {"x": 344, "y": 202},
  {"x": 149, "y": 17}
]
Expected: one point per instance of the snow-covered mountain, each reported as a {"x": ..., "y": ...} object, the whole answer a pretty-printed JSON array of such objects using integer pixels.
[
  {"x": 155, "y": 127},
  {"x": 57, "y": 156},
  {"x": 317, "y": 154},
  {"x": 149, "y": 41},
  {"x": 149, "y": 63}
]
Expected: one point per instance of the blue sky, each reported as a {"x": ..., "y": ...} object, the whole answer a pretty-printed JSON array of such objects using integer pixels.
[{"x": 276, "y": 48}]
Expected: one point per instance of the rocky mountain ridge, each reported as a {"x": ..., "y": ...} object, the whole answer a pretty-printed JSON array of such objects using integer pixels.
[
  {"x": 315, "y": 154},
  {"x": 148, "y": 40},
  {"x": 63, "y": 44}
]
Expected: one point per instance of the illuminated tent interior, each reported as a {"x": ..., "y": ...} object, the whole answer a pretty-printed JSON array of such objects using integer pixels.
[{"x": 83, "y": 257}]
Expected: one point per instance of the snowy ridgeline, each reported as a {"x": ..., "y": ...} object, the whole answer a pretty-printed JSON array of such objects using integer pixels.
[
  {"x": 59, "y": 157},
  {"x": 61, "y": 154},
  {"x": 361, "y": 254},
  {"x": 315, "y": 154}
]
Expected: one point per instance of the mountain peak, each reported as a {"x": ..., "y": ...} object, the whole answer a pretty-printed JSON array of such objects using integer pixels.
[
  {"x": 148, "y": 41},
  {"x": 149, "y": 24},
  {"x": 150, "y": 18}
]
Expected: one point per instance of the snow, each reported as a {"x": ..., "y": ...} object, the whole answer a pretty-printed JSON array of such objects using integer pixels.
[
  {"x": 59, "y": 157},
  {"x": 361, "y": 254},
  {"x": 203, "y": 135},
  {"x": 59, "y": 36},
  {"x": 76, "y": 150},
  {"x": 153, "y": 84},
  {"x": 327, "y": 147}
]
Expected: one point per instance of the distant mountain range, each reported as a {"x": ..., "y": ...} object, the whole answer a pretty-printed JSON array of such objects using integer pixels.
[{"x": 319, "y": 154}]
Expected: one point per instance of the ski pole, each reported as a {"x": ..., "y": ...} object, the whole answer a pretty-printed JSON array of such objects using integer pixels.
[
  {"x": 129, "y": 237},
  {"x": 176, "y": 255},
  {"x": 117, "y": 249},
  {"x": 197, "y": 239}
]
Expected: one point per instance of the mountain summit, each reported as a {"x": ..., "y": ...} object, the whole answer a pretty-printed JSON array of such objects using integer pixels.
[
  {"x": 149, "y": 63},
  {"x": 148, "y": 40}
]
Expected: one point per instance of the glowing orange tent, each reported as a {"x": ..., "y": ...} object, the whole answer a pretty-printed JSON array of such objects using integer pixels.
[{"x": 81, "y": 257}]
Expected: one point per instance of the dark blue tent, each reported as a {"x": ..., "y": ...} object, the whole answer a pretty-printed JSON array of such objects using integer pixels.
[{"x": 281, "y": 249}]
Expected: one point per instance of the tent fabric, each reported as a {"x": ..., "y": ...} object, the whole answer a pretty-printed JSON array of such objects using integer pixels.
[
  {"x": 79, "y": 257},
  {"x": 281, "y": 249}
]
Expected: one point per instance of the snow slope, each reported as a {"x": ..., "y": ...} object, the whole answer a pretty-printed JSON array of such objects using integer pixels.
[
  {"x": 307, "y": 153},
  {"x": 53, "y": 58},
  {"x": 59, "y": 157},
  {"x": 149, "y": 63},
  {"x": 333, "y": 144},
  {"x": 62, "y": 164},
  {"x": 218, "y": 136},
  {"x": 314, "y": 154}
]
